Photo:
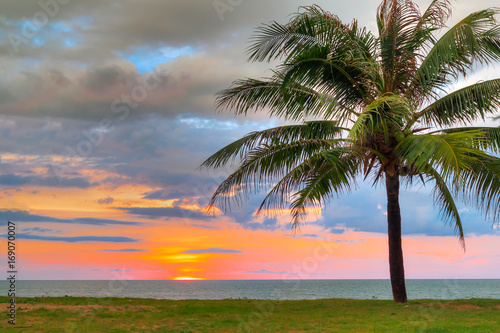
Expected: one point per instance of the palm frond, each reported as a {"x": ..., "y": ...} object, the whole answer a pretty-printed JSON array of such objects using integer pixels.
[
  {"x": 451, "y": 153},
  {"x": 336, "y": 74},
  {"x": 337, "y": 165},
  {"x": 492, "y": 135},
  {"x": 308, "y": 29},
  {"x": 290, "y": 102},
  {"x": 444, "y": 199},
  {"x": 473, "y": 40},
  {"x": 334, "y": 174},
  {"x": 318, "y": 130},
  {"x": 436, "y": 15},
  {"x": 463, "y": 106},
  {"x": 481, "y": 186},
  {"x": 396, "y": 23},
  {"x": 387, "y": 113},
  {"x": 263, "y": 164},
  {"x": 405, "y": 34}
]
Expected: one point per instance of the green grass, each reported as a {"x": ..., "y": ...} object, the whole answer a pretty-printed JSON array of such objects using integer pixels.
[{"x": 71, "y": 314}]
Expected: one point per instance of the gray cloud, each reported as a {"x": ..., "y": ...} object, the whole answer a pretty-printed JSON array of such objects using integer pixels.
[
  {"x": 15, "y": 180},
  {"x": 164, "y": 195},
  {"x": 24, "y": 216},
  {"x": 204, "y": 226},
  {"x": 36, "y": 229},
  {"x": 105, "y": 201},
  {"x": 417, "y": 213},
  {"x": 269, "y": 224},
  {"x": 85, "y": 58},
  {"x": 77, "y": 239},
  {"x": 174, "y": 212}
]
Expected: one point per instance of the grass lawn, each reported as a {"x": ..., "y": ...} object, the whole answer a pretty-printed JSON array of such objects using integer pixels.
[{"x": 76, "y": 314}]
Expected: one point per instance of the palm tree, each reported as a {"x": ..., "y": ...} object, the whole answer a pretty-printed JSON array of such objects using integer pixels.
[{"x": 360, "y": 105}]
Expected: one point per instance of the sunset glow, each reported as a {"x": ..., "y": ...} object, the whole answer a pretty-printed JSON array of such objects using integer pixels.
[{"x": 105, "y": 118}]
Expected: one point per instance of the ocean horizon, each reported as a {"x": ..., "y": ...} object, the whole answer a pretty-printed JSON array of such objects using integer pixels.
[{"x": 257, "y": 289}]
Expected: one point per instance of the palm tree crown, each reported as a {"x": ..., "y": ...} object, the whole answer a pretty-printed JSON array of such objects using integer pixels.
[{"x": 380, "y": 106}]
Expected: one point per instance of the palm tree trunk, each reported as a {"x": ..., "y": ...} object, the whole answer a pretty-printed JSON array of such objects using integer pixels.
[{"x": 394, "y": 232}]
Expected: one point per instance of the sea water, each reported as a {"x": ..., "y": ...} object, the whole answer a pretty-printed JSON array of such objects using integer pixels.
[{"x": 258, "y": 289}]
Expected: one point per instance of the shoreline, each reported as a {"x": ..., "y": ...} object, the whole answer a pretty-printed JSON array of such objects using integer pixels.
[
  {"x": 5, "y": 299},
  {"x": 258, "y": 289},
  {"x": 112, "y": 314}
]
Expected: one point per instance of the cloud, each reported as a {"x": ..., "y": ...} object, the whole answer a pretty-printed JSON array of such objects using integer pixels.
[
  {"x": 304, "y": 235},
  {"x": 124, "y": 250},
  {"x": 265, "y": 271},
  {"x": 164, "y": 195},
  {"x": 347, "y": 241},
  {"x": 97, "y": 221},
  {"x": 85, "y": 58},
  {"x": 211, "y": 250},
  {"x": 119, "y": 92},
  {"x": 474, "y": 258},
  {"x": 269, "y": 224},
  {"x": 36, "y": 229},
  {"x": 337, "y": 231},
  {"x": 77, "y": 239},
  {"x": 174, "y": 212},
  {"x": 204, "y": 226},
  {"x": 24, "y": 216},
  {"x": 15, "y": 180},
  {"x": 418, "y": 215},
  {"x": 105, "y": 201}
]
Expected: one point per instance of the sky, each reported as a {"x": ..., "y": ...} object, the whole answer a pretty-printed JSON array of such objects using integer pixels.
[{"x": 106, "y": 113}]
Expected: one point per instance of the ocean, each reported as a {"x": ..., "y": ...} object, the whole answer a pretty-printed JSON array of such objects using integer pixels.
[{"x": 258, "y": 289}]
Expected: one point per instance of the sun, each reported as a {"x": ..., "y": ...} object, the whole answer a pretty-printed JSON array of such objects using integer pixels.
[{"x": 187, "y": 278}]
